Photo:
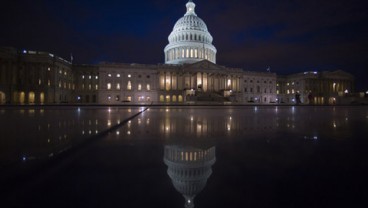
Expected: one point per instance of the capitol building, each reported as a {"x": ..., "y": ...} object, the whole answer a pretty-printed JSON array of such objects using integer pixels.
[{"x": 189, "y": 74}]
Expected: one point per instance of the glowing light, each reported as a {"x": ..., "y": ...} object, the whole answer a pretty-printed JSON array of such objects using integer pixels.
[
  {"x": 117, "y": 132},
  {"x": 346, "y": 91},
  {"x": 109, "y": 110},
  {"x": 128, "y": 132},
  {"x": 191, "y": 118},
  {"x": 108, "y": 122}
]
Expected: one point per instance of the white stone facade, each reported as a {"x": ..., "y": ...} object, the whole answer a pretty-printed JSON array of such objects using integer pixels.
[{"x": 127, "y": 83}]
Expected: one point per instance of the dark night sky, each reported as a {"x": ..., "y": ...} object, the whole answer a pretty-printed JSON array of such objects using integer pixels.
[{"x": 288, "y": 35}]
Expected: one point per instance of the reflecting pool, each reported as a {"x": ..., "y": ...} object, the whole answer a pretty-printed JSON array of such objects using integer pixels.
[{"x": 256, "y": 156}]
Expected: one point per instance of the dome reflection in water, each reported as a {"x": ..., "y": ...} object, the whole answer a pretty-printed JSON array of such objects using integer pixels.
[{"x": 189, "y": 168}]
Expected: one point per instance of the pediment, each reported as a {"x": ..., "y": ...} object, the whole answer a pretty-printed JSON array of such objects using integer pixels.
[
  {"x": 341, "y": 73},
  {"x": 205, "y": 65}
]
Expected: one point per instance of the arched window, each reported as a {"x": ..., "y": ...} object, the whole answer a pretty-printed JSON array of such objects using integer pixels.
[
  {"x": 129, "y": 86},
  {"x": 191, "y": 37},
  {"x": 191, "y": 53},
  {"x": 195, "y": 36},
  {"x": 186, "y": 38},
  {"x": 31, "y": 97},
  {"x": 174, "y": 98},
  {"x": 42, "y": 97},
  {"x": 2, "y": 98},
  {"x": 162, "y": 98}
]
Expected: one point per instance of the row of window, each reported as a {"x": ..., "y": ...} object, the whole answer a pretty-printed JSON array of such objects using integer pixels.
[
  {"x": 89, "y": 77},
  {"x": 129, "y": 98},
  {"x": 129, "y": 76},
  {"x": 95, "y": 87},
  {"x": 194, "y": 37},
  {"x": 174, "y": 98},
  {"x": 189, "y": 53},
  {"x": 258, "y": 90},
  {"x": 65, "y": 85},
  {"x": 129, "y": 86},
  {"x": 292, "y": 91},
  {"x": 251, "y": 81}
]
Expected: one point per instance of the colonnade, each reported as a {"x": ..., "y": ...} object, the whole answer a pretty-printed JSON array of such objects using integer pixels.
[
  {"x": 199, "y": 81},
  {"x": 190, "y": 37},
  {"x": 29, "y": 97},
  {"x": 190, "y": 52}
]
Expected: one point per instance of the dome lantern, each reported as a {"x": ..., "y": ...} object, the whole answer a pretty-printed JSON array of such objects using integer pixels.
[{"x": 190, "y": 8}]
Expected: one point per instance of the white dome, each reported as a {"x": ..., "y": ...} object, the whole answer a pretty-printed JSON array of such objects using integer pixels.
[
  {"x": 190, "y": 41},
  {"x": 190, "y": 22}
]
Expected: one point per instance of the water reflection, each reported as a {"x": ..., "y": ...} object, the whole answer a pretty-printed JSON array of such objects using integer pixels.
[
  {"x": 189, "y": 169},
  {"x": 37, "y": 133}
]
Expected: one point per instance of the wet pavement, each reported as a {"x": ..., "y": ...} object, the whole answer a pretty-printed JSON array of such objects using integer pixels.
[{"x": 265, "y": 156}]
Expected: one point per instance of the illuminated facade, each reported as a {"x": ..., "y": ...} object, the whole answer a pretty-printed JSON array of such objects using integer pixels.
[
  {"x": 190, "y": 74},
  {"x": 32, "y": 77},
  {"x": 319, "y": 88}
]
